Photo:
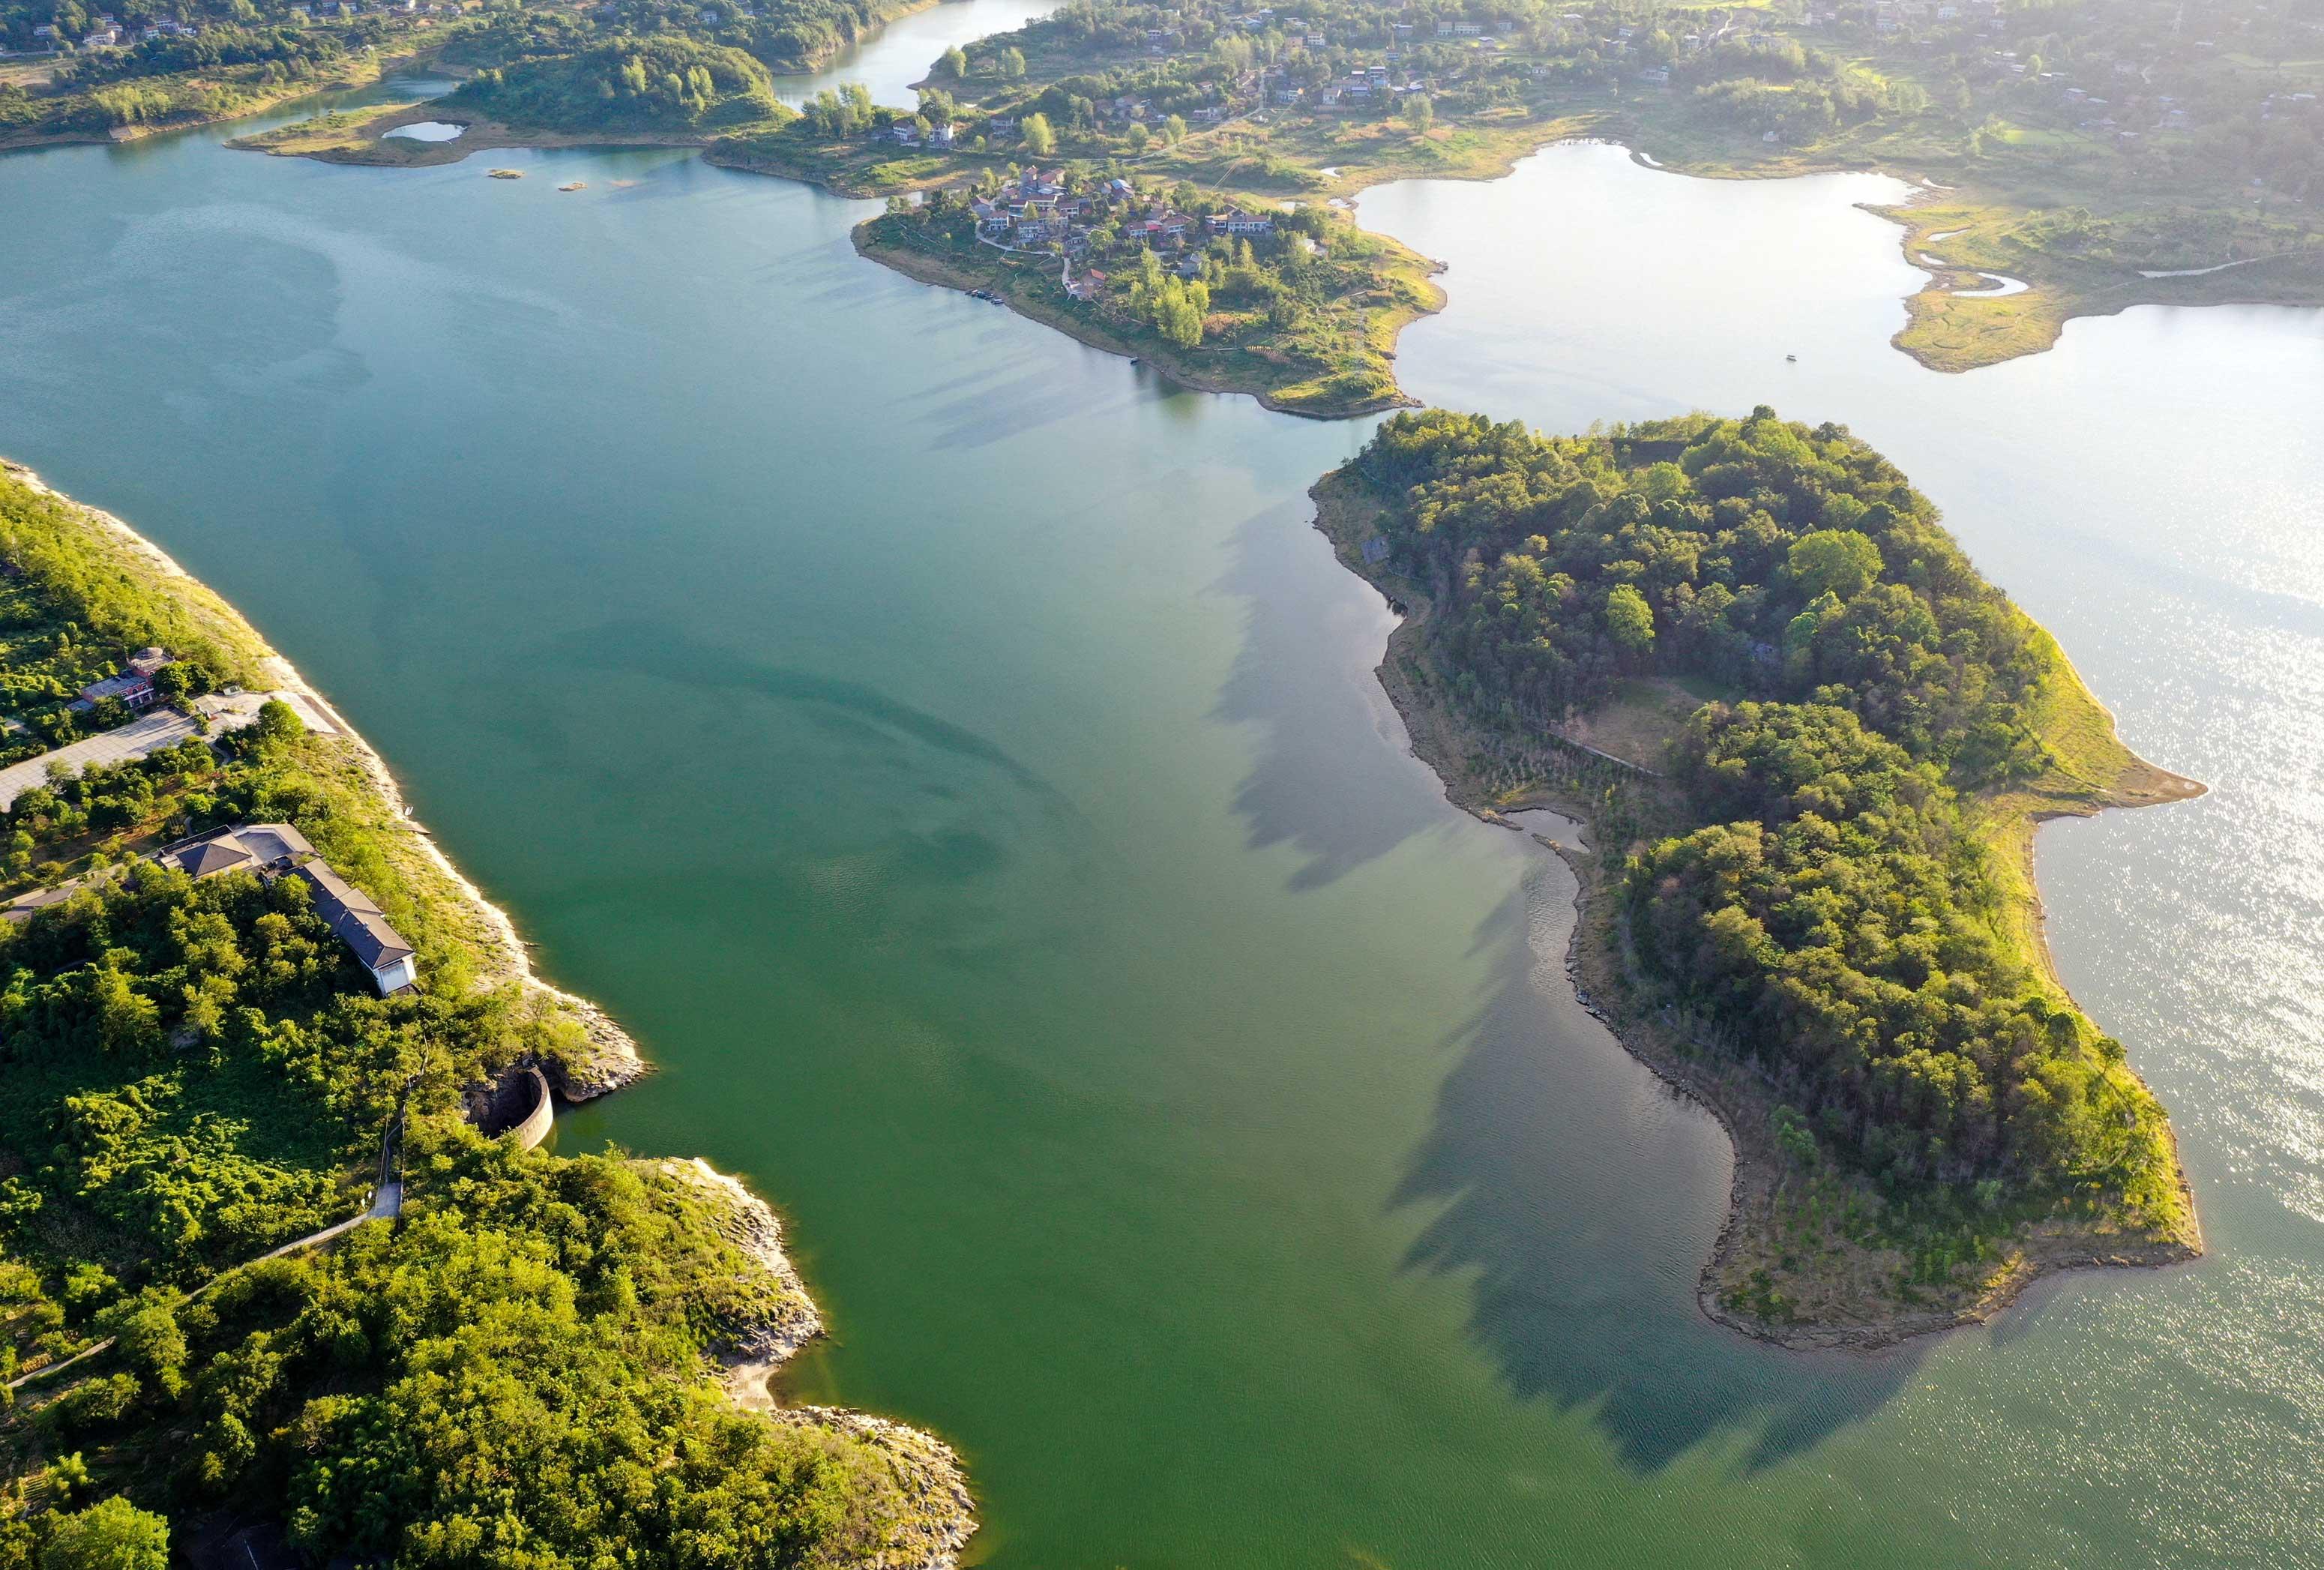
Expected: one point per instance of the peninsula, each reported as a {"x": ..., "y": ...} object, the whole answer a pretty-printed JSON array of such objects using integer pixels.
[
  {"x": 281, "y": 1269},
  {"x": 1813, "y": 746},
  {"x": 2068, "y": 167}
]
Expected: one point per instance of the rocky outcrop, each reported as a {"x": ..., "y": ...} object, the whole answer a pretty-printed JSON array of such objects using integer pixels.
[
  {"x": 754, "y": 1350},
  {"x": 940, "y": 1514}
]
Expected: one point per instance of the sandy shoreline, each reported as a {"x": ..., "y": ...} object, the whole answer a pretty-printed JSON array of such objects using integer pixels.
[{"x": 618, "y": 1061}]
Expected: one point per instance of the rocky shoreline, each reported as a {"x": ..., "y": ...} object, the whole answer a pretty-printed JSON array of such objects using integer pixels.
[{"x": 926, "y": 1469}]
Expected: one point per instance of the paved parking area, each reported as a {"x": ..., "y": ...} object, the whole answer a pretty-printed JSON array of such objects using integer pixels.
[{"x": 147, "y": 735}]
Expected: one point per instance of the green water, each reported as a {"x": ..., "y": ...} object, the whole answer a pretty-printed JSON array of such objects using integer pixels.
[{"x": 954, "y": 755}]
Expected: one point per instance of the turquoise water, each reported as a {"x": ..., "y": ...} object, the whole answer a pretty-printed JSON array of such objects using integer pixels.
[{"x": 954, "y": 755}]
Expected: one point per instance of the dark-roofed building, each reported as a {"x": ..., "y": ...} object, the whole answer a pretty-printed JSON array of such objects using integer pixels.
[
  {"x": 251, "y": 847},
  {"x": 362, "y": 925},
  {"x": 272, "y": 850}
]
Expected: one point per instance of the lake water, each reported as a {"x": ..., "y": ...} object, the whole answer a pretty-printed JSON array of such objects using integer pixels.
[
  {"x": 953, "y": 754},
  {"x": 429, "y": 131}
]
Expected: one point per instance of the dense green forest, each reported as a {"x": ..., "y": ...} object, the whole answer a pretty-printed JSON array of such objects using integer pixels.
[
  {"x": 520, "y": 1369},
  {"x": 668, "y": 83},
  {"x": 1816, "y": 889}
]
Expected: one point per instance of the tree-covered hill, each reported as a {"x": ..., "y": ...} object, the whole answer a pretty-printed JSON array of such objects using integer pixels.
[
  {"x": 1818, "y": 887},
  {"x": 662, "y": 83}
]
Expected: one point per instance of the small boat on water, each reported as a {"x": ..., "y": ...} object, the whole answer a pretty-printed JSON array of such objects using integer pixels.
[
  {"x": 505, "y": 173},
  {"x": 575, "y": 185},
  {"x": 1793, "y": 359}
]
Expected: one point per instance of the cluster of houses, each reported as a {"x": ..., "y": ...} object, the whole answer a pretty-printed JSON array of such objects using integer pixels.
[
  {"x": 945, "y": 135},
  {"x": 107, "y": 31},
  {"x": 1361, "y": 87},
  {"x": 2122, "y": 107},
  {"x": 1035, "y": 211}
]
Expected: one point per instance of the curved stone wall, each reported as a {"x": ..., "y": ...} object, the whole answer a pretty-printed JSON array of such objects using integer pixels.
[{"x": 535, "y": 1124}]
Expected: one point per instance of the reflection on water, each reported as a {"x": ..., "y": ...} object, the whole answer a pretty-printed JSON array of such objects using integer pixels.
[
  {"x": 958, "y": 759},
  {"x": 901, "y": 52},
  {"x": 1545, "y": 1231},
  {"x": 2150, "y": 491}
]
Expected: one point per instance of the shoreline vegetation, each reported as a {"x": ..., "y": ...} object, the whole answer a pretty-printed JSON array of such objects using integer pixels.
[
  {"x": 231, "y": 100},
  {"x": 1840, "y": 1232},
  {"x": 2065, "y": 166},
  {"x": 650, "y": 1300}
]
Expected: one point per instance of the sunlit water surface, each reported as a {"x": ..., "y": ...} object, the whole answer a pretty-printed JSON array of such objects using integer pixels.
[{"x": 953, "y": 753}]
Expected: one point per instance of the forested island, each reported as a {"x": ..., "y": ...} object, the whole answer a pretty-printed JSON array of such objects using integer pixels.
[
  {"x": 1813, "y": 744},
  {"x": 275, "y": 1287}
]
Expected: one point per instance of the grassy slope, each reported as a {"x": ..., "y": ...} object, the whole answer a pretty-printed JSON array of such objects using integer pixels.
[{"x": 1807, "y": 1261}]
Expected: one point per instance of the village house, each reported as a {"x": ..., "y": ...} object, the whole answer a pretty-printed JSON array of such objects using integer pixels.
[
  {"x": 1237, "y": 223},
  {"x": 275, "y": 850},
  {"x": 133, "y": 684}
]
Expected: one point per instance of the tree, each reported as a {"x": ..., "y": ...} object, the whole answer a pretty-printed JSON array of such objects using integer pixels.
[
  {"x": 1137, "y": 138},
  {"x": 1629, "y": 618},
  {"x": 277, "y": 722},
  {"x": 1174, "y": 130},
  {"x": 1838, "y": 561},
  {"x": 1419, "y": 112},
  {"x": 1012, "y": 63},
  {"x": 953, "y": 64},
  {"x": 1040, "y": 139},
  {"x": 1793, "y": 1137},
  {"x": 110, "y": 1534}
]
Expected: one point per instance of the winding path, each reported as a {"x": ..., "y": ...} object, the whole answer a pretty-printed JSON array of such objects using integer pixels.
[{"x": 386, "y": 1205}]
